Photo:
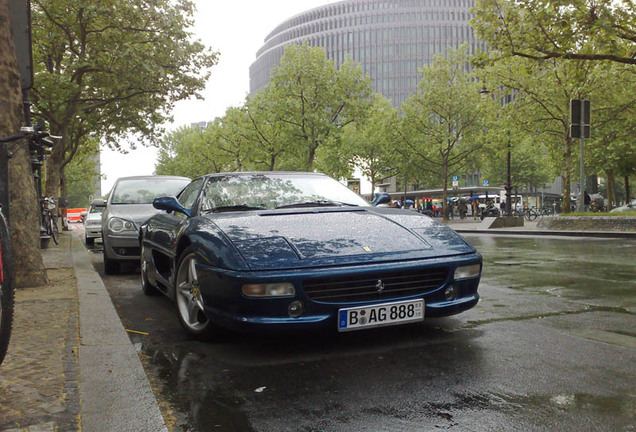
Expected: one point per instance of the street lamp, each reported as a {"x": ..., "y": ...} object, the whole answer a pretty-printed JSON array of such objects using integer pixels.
[{"x": 485, "y": 92}]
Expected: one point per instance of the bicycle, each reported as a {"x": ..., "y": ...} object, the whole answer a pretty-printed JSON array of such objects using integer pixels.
[
  {"x": 544, "y": 212},
  {"x": 7, "y": 290},
  {"x": 39, "y": 147},
  {"x": 529, "y": 214},
  {"x": 50, "y": 219}
]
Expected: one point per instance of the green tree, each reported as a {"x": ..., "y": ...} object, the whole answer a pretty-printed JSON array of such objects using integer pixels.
[
  {"x": 508, "y": 130},
  {"x": 186, "y": 152},
  {"x": 544, "y": 89},
  {"x": 443, "y": 122},
  {"x": 268, "y": 148},
  {"x": 611, "y": 151},
  {"x": 110, "y": 69},
  {"x": 371, "y": 143},
  {"x": 314, "y": 101},
  {"x": 564, "y": 29},
  {"x": 82, "y": 175}
]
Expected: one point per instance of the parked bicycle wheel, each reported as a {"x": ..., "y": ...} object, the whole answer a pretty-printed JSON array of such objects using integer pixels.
[
  {"x": 54, "y": 229},
  {"x": 531, "y": 214},
  {"x": 6, "y": 288}
]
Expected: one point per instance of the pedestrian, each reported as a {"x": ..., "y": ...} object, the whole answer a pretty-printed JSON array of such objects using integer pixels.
[{"x": 463, "y": 209}]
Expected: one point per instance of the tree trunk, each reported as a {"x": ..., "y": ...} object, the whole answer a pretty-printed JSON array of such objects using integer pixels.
[
  {"x": 627, "y": 193},
  {"x": 445, "y": 192},
  {"x": 23, "y": 204},
  {"x": 54, "y": 168},
  {"x": 611, "y": 191}
]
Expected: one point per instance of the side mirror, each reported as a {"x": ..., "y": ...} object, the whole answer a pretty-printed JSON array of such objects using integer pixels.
[
  {"x": 98, "y": 203},
  {"x": 170, "y": 204},
  {"x": 381, "y": 198}
]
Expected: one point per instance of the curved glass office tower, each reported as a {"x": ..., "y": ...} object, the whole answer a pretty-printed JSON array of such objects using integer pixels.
[{"x": 391, "y": 39}]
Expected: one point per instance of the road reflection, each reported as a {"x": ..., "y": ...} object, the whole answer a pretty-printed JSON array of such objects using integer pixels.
[
  {"x": 309, "y": 378},
  {"x": 598, "y": 270}
]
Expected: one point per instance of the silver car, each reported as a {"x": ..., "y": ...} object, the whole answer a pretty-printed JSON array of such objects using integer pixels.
[
  {"x": 93, "y": 222},
  {"x": 129, "y": 204},
  {"x": 629, "y": 207}
]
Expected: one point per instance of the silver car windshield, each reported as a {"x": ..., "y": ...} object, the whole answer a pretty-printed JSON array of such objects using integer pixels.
[
  {"x": 270, "y": 191},
  {"x": 143, "y": 191}
]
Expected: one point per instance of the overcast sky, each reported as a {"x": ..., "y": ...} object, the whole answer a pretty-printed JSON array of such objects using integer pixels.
[{"x": 235, "y": 29}]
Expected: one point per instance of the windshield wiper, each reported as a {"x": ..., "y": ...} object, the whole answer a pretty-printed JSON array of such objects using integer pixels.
[
  {"x": 239, "y": 207},
  {"x": 317, "y": 203}
]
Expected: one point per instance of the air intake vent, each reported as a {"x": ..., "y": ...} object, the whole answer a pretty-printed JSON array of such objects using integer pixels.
[{"x": 375, "y": 286}]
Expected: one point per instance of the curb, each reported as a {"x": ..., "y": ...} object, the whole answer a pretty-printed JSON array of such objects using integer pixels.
[
  {"x": 598, "y": 234},
  {"x": 115, "y": 393}
]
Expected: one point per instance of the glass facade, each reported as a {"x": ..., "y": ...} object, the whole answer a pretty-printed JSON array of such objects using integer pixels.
[{"x": 391, "y": 40}]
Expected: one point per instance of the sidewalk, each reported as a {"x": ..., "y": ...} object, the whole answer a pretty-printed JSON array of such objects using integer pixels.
[
  {"x": 70, "y": 364},
  {"x": 535, "y": 228}
]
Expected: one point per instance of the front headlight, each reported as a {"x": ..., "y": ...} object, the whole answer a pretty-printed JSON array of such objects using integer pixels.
[
  {"x": 269, "y": 290},
  {"x": 466, "y": 272},
  {"x": 117, "y": 225}
]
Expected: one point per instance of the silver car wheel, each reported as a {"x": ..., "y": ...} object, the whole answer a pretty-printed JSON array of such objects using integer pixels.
[{"x": 189, "y": 300}]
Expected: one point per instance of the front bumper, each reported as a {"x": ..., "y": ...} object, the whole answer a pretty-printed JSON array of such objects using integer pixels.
[
  {"x": 122, "y": 246},
  {"x": 94, "y": 232},
  {"x": 227, "y": 306}
]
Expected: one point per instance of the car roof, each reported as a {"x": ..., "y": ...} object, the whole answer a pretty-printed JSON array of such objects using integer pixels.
[{"x": 141, "y": 177}]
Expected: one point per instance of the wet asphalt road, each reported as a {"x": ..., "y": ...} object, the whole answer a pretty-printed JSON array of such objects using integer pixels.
[{"x": 551, "y": 346}]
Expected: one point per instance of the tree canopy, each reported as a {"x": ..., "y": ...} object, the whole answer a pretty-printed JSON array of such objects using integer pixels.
[
  {"x": 442, "y": 123},
  {"x": 565, "y": 29},
  {"x": 109, "y": 70}
]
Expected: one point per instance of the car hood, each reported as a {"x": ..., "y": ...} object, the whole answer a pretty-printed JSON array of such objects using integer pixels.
[
  {"x": 296, "y": 239},
  {"x": 137, "y": 213}
]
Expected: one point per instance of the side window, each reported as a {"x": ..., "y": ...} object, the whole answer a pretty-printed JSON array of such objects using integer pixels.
[{"x": 190, "y": 193}]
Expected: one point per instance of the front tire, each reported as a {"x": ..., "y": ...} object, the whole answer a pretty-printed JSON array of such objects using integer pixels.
[
  {"x": 190, "y": 305},
  {"x": 7, "y": 289},
  {"x": 531, "y": 215},
  {"x": 55, "y": 230},
  {"x": 146, "y": 286}
]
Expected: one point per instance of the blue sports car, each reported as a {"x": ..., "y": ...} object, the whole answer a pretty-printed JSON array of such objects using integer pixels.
[{"x": 277, "y": 251}]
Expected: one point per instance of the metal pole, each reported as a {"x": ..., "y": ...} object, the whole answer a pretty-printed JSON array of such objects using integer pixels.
[
  {"x": 508, "y": 183},
  {"x": 581, "y": 161}
]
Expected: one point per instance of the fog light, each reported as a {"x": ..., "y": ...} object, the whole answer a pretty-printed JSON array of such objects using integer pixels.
[
  {"x": 450, "y": 293},
  {"x": 295, "y": 309},
  {"x": 269, "y": 290}
]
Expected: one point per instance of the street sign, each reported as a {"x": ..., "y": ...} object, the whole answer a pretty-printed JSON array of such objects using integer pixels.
[
  {"x": 579, "y": 118},
  {"x": 21, "y": 22},
  {"x": 485, "y": 182},
  {"x": 455, "y": 178}
]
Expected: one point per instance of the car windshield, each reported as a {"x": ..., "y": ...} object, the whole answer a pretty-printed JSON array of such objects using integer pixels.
[
  {"x": 276, "y": 190},
  {"x": 143, "y": 191}
]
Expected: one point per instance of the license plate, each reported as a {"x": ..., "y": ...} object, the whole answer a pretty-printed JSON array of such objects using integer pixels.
[{"x": 385, "y": 314}]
